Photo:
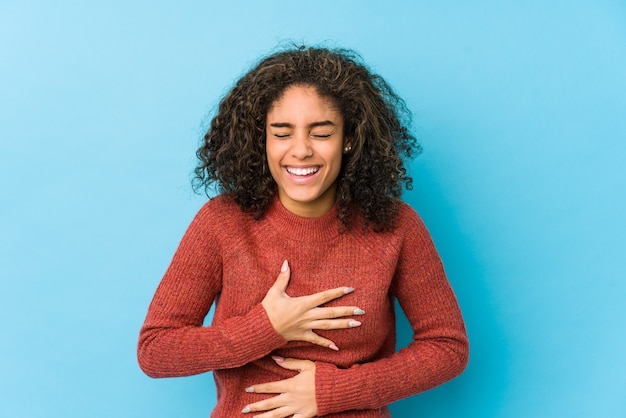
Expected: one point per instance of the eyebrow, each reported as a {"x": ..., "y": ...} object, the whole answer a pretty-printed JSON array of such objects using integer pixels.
[{"x": 311, "y": 125}]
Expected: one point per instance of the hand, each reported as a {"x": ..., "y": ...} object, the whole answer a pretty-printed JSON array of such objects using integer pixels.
[
  {"x": 296, "y": 318},
  {"x": 297, "y": 394}
]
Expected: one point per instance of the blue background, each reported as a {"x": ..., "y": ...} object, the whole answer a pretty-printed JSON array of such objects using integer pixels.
[{"x": 520, "y": 106}]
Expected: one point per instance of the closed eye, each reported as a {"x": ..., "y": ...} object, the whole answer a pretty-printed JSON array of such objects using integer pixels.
[{"x": 322, "y": 136}]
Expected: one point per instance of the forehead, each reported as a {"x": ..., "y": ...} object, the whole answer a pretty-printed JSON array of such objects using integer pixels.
[{"x": 303, "y": 100}]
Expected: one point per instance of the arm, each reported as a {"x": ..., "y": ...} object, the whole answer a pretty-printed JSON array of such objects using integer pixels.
[
  {"x": 438, "y": 352},
  {"x": 172, "y": 341}
]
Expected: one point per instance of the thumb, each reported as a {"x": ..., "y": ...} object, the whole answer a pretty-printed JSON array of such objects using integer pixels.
[{"x": 283, "y": 278}]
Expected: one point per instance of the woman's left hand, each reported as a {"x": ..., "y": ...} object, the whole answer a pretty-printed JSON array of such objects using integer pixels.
[{"x": 296, "y": 395}]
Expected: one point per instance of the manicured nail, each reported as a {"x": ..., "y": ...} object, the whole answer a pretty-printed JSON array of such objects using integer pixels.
[
  {"x": 250, "y": 389},
  {"x": 246, "y": 410},
  {"x": 285, "y": 267},
  {"x": 332, "y": 346},
  {"x": 347, "y": 290},
  {"x": 278, "y": 359},
  {"x": 359, "y": 311},
  {"x": 353, "y": 324}
]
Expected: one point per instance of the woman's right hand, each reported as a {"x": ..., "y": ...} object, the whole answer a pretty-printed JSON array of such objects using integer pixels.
[{"x": 296, "y": 318}]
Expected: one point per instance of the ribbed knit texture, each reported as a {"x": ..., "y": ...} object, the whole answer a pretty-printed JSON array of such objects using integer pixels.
[{"x": 229, "y": 258}]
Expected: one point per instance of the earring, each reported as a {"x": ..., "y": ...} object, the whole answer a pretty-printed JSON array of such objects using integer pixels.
[{"x": 347, "y": 149}]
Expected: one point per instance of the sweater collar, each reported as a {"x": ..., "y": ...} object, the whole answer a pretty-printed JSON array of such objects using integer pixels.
[{"x": 299, "y": 228}]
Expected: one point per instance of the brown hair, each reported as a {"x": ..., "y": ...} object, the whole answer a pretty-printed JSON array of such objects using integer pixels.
[{"x": 232, "y": 153}]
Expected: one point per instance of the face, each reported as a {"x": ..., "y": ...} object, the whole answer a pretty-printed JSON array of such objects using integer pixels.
[{"x": 304, "y": 145}]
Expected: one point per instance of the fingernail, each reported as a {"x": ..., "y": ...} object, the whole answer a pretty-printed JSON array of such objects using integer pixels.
[
  {"x": 347, "y": 290},
  {"x": 246, "y": 410},
  {"x": 359, "y": 311},
  {"x": 250, "y": 389},
  {"x": 285, "y": 267},
  {"x": 353, "y": 324},
  {"x": 332, "y": 346},
  {"x": 278, "y": 359}
]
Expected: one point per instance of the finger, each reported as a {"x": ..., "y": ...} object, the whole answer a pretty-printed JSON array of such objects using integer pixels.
[
  {"x": 283, "y": 278},
  {"x": 277, "y": 413},
  {"x": 283, "y": 411},
  {"x": 326, "y": 296},
  {"x": 279, "y": 386},
  {"x": 293, "y": 364},
  {"x": 313, "y": 338},
  {"x": 265, "y": 405},
  {"x": 334, "y": 312},
  {"x": 328, "y": 324}
]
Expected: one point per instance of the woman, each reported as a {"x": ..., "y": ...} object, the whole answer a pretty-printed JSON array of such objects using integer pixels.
[{"x": 305, "y": 251}]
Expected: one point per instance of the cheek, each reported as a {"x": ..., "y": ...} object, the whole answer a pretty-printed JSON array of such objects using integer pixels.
[
  {"x": 271, "y": 153},
  {"x": 335, "y": 155},
  {"x": 273, "y": 157}
]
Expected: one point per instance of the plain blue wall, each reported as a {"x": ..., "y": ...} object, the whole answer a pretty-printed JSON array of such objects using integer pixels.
[{"x": 520, "y": 107}]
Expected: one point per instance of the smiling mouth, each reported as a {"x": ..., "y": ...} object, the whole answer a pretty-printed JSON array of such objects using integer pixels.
[{"x": 303, "y": 171}]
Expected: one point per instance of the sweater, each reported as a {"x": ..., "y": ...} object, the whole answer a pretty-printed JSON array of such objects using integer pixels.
[{"x": 229, "y": 258}]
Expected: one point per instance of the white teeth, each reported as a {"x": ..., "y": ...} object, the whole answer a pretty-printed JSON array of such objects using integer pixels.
[{"x": 302, "y": 171}]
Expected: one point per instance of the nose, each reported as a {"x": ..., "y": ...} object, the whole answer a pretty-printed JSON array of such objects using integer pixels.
[{"x": 301, "y": 146}]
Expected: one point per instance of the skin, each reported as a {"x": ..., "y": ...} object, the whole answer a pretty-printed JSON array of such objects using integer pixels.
[{"x": 304, "y": 145}]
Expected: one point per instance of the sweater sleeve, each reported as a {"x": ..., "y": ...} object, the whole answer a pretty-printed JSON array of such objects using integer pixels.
[
  {"x": 439, "y": 350},
  {"x": 173, "y": 341}
]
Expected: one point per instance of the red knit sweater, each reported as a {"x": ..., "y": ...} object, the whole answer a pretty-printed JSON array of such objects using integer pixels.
[{"x": 229, "y": 258}]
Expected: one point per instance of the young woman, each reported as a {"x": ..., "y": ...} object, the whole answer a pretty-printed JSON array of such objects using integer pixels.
[{"x": 305, "y": 251}]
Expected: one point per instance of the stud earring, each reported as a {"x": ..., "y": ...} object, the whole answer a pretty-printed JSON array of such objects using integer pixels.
[{"x": 346, "y": 149}]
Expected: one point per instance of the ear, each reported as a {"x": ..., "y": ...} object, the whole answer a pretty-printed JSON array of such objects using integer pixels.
[{"x": 347, "y": 147}]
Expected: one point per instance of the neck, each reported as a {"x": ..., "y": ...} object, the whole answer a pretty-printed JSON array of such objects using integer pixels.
[{"x": 319, "y": 207}]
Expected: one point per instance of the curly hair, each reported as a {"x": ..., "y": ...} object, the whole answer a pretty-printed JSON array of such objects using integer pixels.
[{"x": 232, "y": 154}]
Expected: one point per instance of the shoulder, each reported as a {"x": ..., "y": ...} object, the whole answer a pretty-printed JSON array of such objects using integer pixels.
[
  {"x": 220, "y": 212},
  {"x": 406, "y": 210},
  {"x": 219, "y": 204},
  {"x": 409, "y": 224},
  {"x": 408, "y": 218}
]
